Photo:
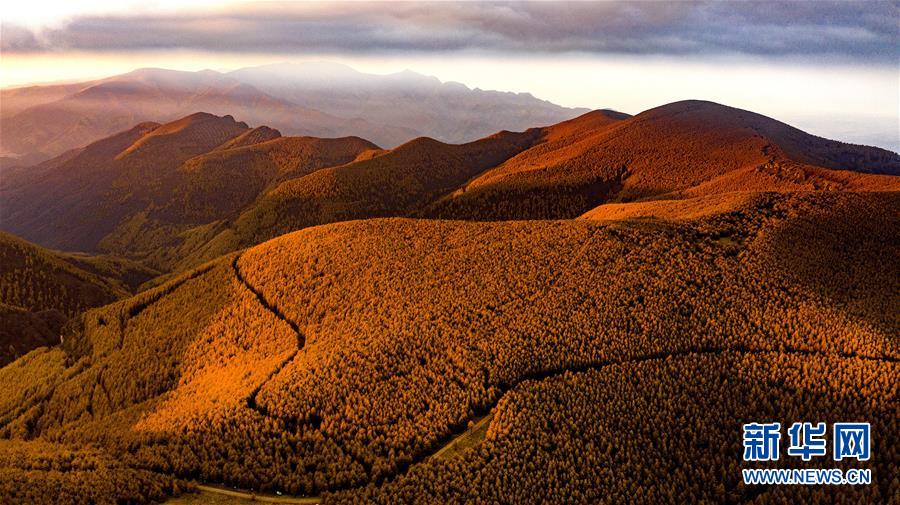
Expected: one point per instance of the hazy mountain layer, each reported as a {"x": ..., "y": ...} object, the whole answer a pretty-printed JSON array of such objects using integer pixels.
[{"x": 322, "y": 100}]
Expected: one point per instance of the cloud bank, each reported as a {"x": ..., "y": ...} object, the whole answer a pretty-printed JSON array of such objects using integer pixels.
[{"x": 859, "y": 31}]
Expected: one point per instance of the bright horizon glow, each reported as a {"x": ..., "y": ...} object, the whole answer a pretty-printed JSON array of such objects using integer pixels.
[
  {"x": 827, "y": 70},
  {"x": 630, "y": 85}
]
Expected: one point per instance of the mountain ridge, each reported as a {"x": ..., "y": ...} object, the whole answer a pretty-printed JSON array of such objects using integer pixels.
[
  {"x": 45, "y": 121},
  {"x": 188, "y": 191},
  {"x": 333, "y": 311},
  {"x": 678, "y": 147}
]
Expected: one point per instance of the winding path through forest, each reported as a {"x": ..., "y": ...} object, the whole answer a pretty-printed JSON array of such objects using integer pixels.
[
  {"x": 458, "y": 442},
  {"x": 266, "y": 304},
  {"x": 301, "y": 343},
  {"x": 258, "y": 497},
  {"x": 475, "y": 432}
]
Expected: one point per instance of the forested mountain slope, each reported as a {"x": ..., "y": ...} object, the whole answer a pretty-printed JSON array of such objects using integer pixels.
[
  {"x": 177, "y": 195},
  {"x": 677, "y": 151},
  {"x": 77, "y": 202},
  {"x": 22, "y": 330},
  {"x": 561, "y": 171},
  {"x": 394, "y": 183},
  {"x": 690, "y": 148},
  {"x": 41, "y": 289},
  {"x": 341, "y": 355},
  {"x": 136, "y": 192},
  {"x": 38, "y": 279}
]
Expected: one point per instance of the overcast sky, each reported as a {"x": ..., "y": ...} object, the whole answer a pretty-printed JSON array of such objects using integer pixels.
[{"x": 828, "y": 67}]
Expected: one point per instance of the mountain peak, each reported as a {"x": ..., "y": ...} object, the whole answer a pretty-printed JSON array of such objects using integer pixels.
[
  {"x": 250, "y": 137},
  {"x": 195, "y": 133},
  {"x": 198, "y": 118}
]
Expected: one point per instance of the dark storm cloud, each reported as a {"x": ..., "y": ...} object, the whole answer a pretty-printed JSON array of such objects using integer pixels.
[{"x": 865, "y": 31}]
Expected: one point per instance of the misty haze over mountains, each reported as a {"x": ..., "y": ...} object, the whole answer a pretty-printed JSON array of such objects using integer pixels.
[
  {"x": 321, "y": 99},
  {"x": 316, "y": 99},
  {"x": 446, "y": 111}
]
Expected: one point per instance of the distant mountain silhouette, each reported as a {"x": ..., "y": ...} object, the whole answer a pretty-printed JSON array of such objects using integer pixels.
[
  {"x": 446, "y": 111},
  {"x": 44, "y": 121},
  {"x": 78, "y": 115}
]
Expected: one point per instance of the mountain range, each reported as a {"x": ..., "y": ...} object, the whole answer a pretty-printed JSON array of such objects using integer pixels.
[
  {"x": 314, "y": 99},
  {"x": 208, "y": 302},
  {"x": 177, "y": 194},
  {"x": 339, "y": 359}
]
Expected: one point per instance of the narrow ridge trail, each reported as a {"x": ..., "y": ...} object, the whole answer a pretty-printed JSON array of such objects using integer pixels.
[
  {"x": 301, "y": 339},
  {"x": 259, "y": 497},
  {"x": 301, "y": 342}
]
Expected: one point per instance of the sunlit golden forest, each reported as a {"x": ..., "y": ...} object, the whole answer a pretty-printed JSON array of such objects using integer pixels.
[
  {"x": 337, "y": 359},
  {"x": 353, "y": 252},
  {"x": 580, "y": 313}
]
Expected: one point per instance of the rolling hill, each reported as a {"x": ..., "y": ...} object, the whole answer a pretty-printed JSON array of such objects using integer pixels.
[
  {"x": 38, "y": 279},
  {"x": 683, "y": 149},
  {"x": 409, "y": 177},
  {"x": 134, "y": 193},
  {"x": 76, "y": 201},
  {"x": 339, "y": 357},
  {"x": 180, "y": 194},
  {"x": 564, "y": 170}
]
